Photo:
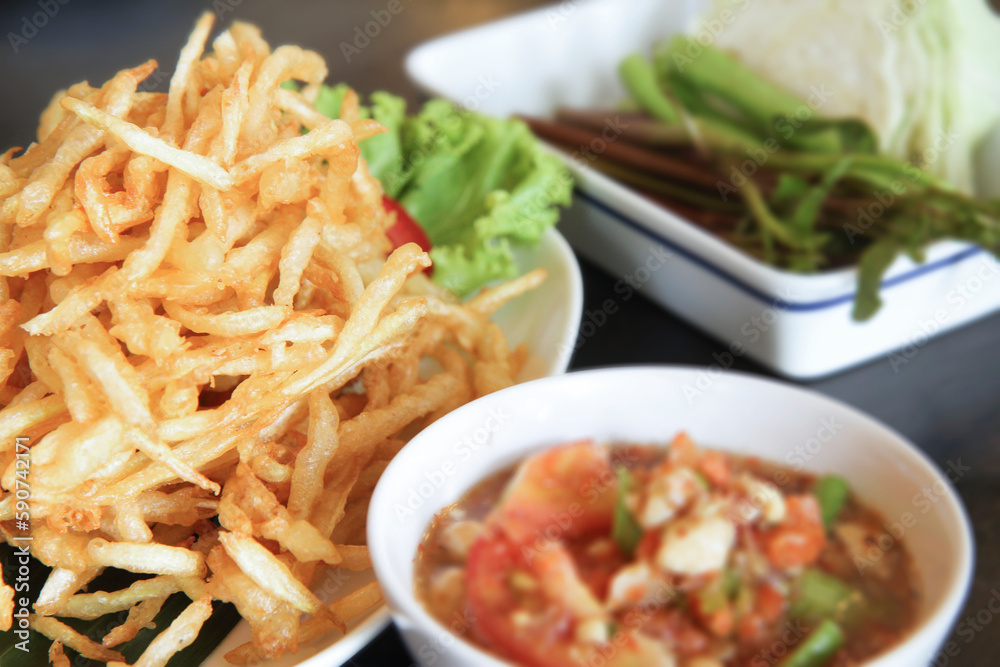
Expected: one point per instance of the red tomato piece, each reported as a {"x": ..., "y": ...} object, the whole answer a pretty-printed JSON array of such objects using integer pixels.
[
  {"x": 683, "y": 453},
  {"x": 562, "y": 493},
  {"x": 752, "y": 629},
  {"x": 495, "y": 603},
  {"x": 771, "y": 603},
  {"x": 801, "y": 538},
  {"x": 406, "y": 230},
  {"x": 527, "y": 601},
  {"x": 716, "y": 467}
]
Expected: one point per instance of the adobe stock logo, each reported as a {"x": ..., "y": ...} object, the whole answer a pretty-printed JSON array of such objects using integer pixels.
[
  {"x": 462, "y": 451},
  {"x": 364, "y": 34},
  {"x": 31, "y": 25}
]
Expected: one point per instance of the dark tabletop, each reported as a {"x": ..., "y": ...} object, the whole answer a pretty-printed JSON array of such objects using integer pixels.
[{"x": 945, "y": 399}]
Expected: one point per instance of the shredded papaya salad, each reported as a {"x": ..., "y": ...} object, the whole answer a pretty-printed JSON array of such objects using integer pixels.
[{"x": 680, "y": 556}]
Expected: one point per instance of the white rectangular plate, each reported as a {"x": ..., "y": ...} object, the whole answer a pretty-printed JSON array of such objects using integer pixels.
[{"x": 799, "y": 325}]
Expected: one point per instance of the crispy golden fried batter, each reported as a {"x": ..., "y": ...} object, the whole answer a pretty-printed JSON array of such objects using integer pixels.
[{"x": 201, "y": 317}]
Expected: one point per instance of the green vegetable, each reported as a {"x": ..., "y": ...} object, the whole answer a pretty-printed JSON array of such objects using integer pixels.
[
  {"x": 818, "y": 648},
  {"x": 715, "y": 85},
  {"x": 806, "y": 211},
  {"x": 836, "y": 201},
  {"x": 857, "y": 60},
  {"x": 625, "y": 531},
  {"x": 732, "y": 583},
  {"x": 821, "y": 596},
  {"x": 384, "y": 152},
  {"x": 831, "y": 491},
  {"x": 475, "y": 184},
  {"x": 654, "y": 92},
  {"x": 712, "y": 71},
  {"x": 329, "y": 99},
  {"x": 743, "y": 600},
  {"x": 640, "y": 81},
  {"x": 713, "y": 597}
]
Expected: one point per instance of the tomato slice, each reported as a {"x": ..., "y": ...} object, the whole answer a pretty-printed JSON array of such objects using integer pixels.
[
  {"x": 406, "y": 230},
  {"x": 801, "y": 538},
  {"x": 527, "y": 601},
  {"x": 496, "y": 601},
  {"x": 562, "y": 493}
]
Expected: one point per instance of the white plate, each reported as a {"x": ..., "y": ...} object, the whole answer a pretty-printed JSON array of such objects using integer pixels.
[
  {"x": 738, "y": 413},
  {"x": 547, "y": 320},
  {"x": 799, "y": 325}
]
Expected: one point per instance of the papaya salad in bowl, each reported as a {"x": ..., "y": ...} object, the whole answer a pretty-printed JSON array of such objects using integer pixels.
[{"x": 603, "y": 518}]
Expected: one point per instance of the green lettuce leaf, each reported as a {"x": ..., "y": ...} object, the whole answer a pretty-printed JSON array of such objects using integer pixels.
[
  {"x": 329, "y": 99},
  {"x": 475, "y": 184},
  {"x": 384, "y": 152},
  {"x": 463, "y": 268}
]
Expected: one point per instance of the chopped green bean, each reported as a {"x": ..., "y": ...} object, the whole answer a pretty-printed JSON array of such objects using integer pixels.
[
  {"x": 822, "y": 596},
  {"x": 818, "y": 648},
  {"x": 831, "y": 491},
  {"x": 625, "y": 531}
]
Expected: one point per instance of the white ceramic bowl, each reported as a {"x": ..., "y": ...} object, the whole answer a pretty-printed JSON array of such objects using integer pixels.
[
  {"x": 737, "y": 413},
  {"x": 547, "y": 320},
  {"x": 799, "y": 325}
]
